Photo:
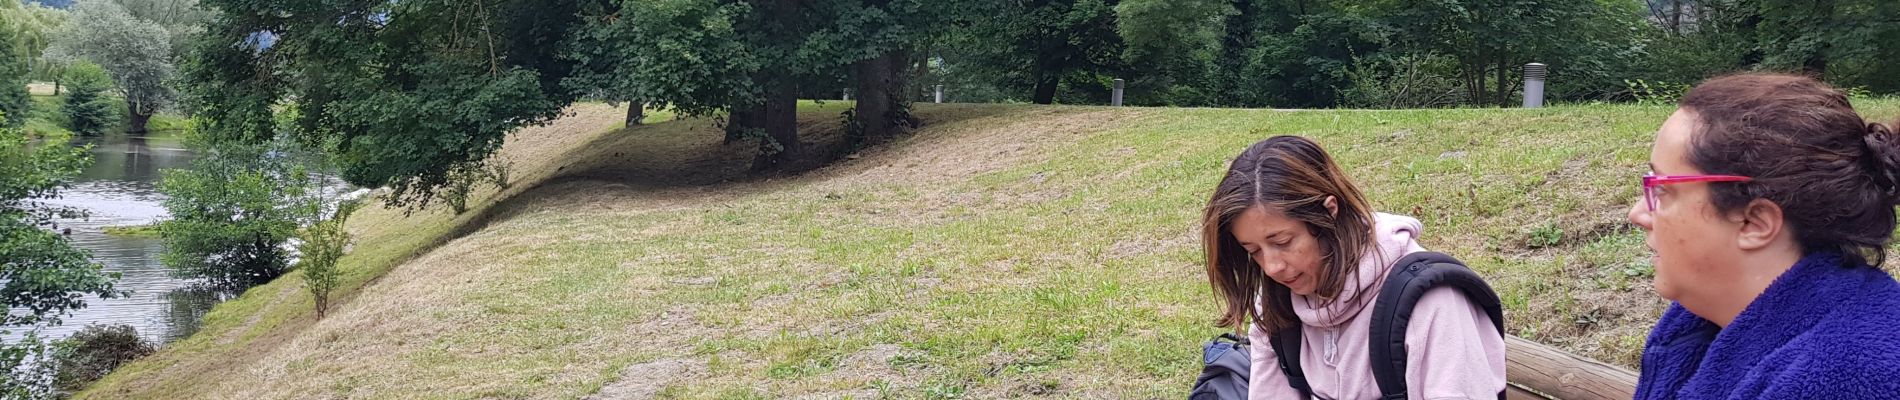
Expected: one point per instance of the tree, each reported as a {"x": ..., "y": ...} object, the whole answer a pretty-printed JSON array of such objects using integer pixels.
[
  {"x": 34, "y": 27},
  {"x": 234, "y": 211},
  {"x": 751, "y": 59},
  {"x": 42, "y": 277},
  {"x": 88, "y": 110},
  {"x": 182, "y": 20},
  {"x": 686, "y": 55},
  {"x": 403, "y": 93},
  {"x": 135, "y": 53},
  {"x": 1042, "y": 46},
  {"x": 1170, "y": 47},
  {"x": 13, "y": 96}
]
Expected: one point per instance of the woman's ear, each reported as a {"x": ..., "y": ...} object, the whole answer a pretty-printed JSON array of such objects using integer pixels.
[
  {"x": 1332, "y": 206},
  {"x": 1761, "y": 223}
]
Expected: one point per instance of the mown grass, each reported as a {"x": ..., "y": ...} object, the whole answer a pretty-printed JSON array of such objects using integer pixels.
[
  {"x": 46, "y": 116},
  {"x": 43, "y": 117},
  {"x": 1001, "y": 251}
]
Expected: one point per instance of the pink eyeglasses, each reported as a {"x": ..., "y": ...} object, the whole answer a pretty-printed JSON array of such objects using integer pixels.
[{"x": 1651, "y": 181}]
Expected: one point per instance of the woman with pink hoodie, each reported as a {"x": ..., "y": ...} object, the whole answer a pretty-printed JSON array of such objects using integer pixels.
[{"x": 1291, "y": 242}]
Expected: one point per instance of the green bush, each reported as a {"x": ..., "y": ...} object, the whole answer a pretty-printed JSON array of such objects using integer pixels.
[
  {"x": 1410, "y": 81},
  {"x": 324, "y": 244},
  {"x": 96, "y": 350},
  {"x": 234, "y": 211},
  {"x": 88, "y": 110},
  {"x": 1656, "y": 93}
]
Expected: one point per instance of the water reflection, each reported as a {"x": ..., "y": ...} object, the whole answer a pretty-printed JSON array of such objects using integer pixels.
[
  {"x": 188, "y": 308},
  {"x": 121, "y": 188}
]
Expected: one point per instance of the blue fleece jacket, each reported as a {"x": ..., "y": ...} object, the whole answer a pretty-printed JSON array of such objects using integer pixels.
[{"x": 1821, "y": 331}]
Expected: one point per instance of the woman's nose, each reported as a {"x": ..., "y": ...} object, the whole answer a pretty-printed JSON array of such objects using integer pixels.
[
  {"x": 1639, "y": 214},
  {"x": 1271, "y": 267}
]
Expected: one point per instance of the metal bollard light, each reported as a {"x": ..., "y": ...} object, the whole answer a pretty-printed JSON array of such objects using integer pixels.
[
  {"x": 1116, "y": 99},
  {"x": 1534, "y": 74}
]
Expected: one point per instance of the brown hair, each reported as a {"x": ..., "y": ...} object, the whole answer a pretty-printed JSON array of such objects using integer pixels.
[
  {"x": 1831, "y": 172},
  {"x": 1293, "y": 175}
]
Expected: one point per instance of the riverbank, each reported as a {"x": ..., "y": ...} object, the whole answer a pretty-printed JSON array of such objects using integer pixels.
[{"x": 1000, "y": 251}]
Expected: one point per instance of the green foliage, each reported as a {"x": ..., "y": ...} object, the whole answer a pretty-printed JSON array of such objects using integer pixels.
[
  {"x": 42, "y": 276},
  {"x": 33, "y": 27},
  {"x": 1409, "y": 81},
  {"x": 323, "y": 244},
  {"x": 403, "y": 93},
  {"x": 87, "y": 109},
  {"x": 92, "y": 352},
  {"x": 1065, "y": 50},
  {"x": 463, "y": 180},
  {"x": 30, "y": 368},
  {"x": 684, "y": 54},
  {"x": 1170, "y": 47},
  {"x": 234, "y": 211},
  {"x": 1656, "y": 93},
  {"x": 136, "y": 53},
  {"x": 13, "y": 70},
  {"x": 1546, "y": 235},
  {"x": 182, "y": 19}
]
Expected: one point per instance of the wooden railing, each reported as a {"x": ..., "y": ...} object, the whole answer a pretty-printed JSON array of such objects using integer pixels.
[{"x": 1540, "y": 372}]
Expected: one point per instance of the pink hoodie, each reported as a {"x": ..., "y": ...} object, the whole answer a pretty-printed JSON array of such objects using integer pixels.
[{"x": 1452, "y": 351}]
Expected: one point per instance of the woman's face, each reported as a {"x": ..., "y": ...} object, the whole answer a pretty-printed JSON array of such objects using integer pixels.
[
  {"x": 1284, "y": 248},
  {"x": 1691, "y": 243}
]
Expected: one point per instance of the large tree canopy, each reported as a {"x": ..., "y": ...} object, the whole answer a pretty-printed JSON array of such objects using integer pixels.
[
  {"x": 135, "y": 52},
  {"x": 405, "y": 94}
]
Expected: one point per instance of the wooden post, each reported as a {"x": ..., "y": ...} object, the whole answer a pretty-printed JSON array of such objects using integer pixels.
[
  {"x": 1116, "y": 100},
  {"x": 1560, "y": 375}
]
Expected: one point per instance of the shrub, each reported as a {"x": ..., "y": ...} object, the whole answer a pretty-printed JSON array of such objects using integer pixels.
[{"x": 96, "y": 350}]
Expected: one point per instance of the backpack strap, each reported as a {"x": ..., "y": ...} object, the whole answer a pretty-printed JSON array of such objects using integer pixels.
[
  {"x": 1286, "y": 346},
  {"x": 1408, "y": 280}
]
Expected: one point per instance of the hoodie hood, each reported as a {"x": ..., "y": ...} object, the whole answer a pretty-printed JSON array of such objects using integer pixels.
[{"x": 1394, "y": 236}]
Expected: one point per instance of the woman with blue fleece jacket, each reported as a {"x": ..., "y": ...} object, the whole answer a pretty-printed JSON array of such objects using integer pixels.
[{"x": 1768, "y": 206}]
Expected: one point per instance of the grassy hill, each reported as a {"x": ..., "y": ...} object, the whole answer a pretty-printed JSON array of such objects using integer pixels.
[{"x": 1000, "y": 251}]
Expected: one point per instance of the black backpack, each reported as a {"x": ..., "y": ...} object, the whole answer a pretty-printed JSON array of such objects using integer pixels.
[
  {"x": 1408, "y": 280},
  {"x": 1225, "y": 364}
]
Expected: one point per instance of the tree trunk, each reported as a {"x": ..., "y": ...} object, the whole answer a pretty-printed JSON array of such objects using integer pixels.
[
  {"x": 1675, "y": 18},
  {"x": 1504, "y": 69},
  {"x": 781, "y": 127},
  {"x": 635, "y": 113},
  {"x": 881, "y": 95},
  {"x": 139, "y": 118},
  {"x": 1046, "y": 88},
  {"x": 739, "y": 120},
  {"x": 1474, "y": 74},
  {"x": 1048, "y": 72}
]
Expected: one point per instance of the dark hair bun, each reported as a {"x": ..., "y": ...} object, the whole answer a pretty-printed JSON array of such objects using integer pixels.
[{"x": 1883, "y": 153}]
